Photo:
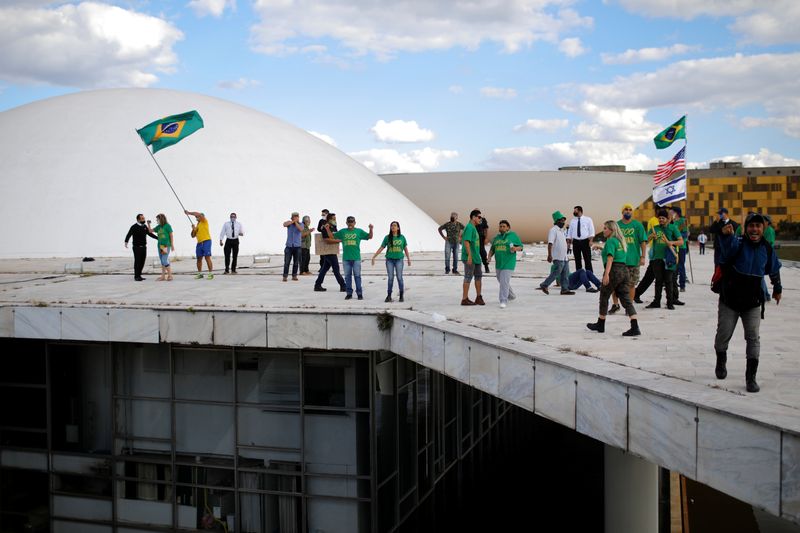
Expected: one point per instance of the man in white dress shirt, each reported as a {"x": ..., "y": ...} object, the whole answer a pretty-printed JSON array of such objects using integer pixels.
[
  {"x": 580, "y": 236},
  {"x": 229, "y": 236}
]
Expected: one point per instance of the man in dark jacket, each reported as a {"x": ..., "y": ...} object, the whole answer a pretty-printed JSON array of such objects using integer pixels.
[
  {"x": 746, "y": 259},
  {"x": 139, "y": 232},
  {"x": 716, "y": 229}
]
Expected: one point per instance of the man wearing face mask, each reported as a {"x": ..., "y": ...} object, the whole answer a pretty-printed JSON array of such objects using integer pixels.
[
  {"x": 636, "y": 246},
  {"x": 139, "y": 231},
  {"x": 580, "y": 236},
  {"x": 716, "y": 229},
  {"x": 231, "y": 231},
  {"x": 557, "y": 255}
]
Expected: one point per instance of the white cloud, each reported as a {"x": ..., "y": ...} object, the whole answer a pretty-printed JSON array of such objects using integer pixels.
[
  {"x": 553, "y": 156},
  {"x": 764, "y": 158},
  {"x": 241, "y": 83},
  {"x": 215, "y": 8},
  {"x": 789, "y": 124},
  {"x": 386, "y": 27},
  {"x": 85, "y": 45},
  {"x": 327, "y": 138},
  {"x": 400, "y": 131},
  {"x": 384, "y": 160},
  {"x": 571, "y": 47},
  {"x": 549, "y": 125},
  {"x": 498, "y": 92},
  {"x": 641, "y": 55},
  {"x": 456, "y": 89},
  {"x": 755, "y": 21}
]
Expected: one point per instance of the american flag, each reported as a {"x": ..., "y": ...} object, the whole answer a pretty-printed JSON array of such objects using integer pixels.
[{"x": 676, "y": 164}]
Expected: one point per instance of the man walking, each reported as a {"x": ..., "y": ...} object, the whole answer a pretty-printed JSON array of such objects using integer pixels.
[
  {"x": 321, "y": 224},
  {"x": 203, "y": 248},
  {"x": 483, "y": 231},
  {"x": 330, "y": 261},
  {"x": 557, "y": 256},
  {"x": 505, "y": 246},
  {"x": 580, "y": 237},
  {"x": 746, "y": 260},
  {"x": 351, "y": 238},
  {"x": 452, "y": 237},
  {"x": 471, "y": 259},
  {"x": 664, "y": 238},
  {"x": 294, "y": 238},
  {"x": 636, "y": 247},
  {"x": 231, "y": 231},
  {"x": 139, "y": 231}
]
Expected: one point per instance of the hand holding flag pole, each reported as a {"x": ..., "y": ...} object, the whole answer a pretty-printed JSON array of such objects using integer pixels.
[{"x": 166, "y": 132}]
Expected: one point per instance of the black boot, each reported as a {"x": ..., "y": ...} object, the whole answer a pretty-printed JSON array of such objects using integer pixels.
[
  {"x": 599, "y": 326},
  {"x": 401, "y": 296},
  {"x": 634, "y": 331},
  {"x": 720, "y": 370},
  {"x": 388, "y": 298},
  {"x": 750, "y": 375},
  {"x": 486, "y": 267}
]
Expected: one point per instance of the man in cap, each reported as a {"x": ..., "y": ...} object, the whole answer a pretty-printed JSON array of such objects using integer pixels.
[
  {"x": 746, "y": 260},
  {"x": 452, "y": 237},
  {"x": 636, "y": 246},
  {"x": 716, "y": 229},
  {"x": 294, "y": 237},
  {"x": 557, "y": 255}
]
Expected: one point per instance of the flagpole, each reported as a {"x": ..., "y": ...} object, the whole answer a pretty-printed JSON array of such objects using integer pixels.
[
  {"x": 165, "y": 178},
  {"x": 688, "y": 248}
]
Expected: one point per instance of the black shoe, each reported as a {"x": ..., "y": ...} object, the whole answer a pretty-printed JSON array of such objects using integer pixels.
[
  {"x": 592, "y": 289},
  {"x": 360, "y": 297},
  {"x": 401, "y": 297},
  {"x": 670, "y": 307},
  {"x": 720, "y": 370},
  {"x": 678, "y": 302},
  {"x": 653, "y": 305},
  {"x": 633, "y": 332},
  {"x": 348, "y": 297},
  {"x": 750, "y": 375},
  {"x": 614, "y": 309},
  {"x": 637, "y": 300},
  {"x": 599, "y": 326},
  {"x": 342, "y": 289},
  {"x": 320, "y": 289},
  {"x": 567, "y": 293},
  {"x": 487, "y": 268},
  {"x": 388, "y": 298},
  {"x": 456, "y": 273},
  {"x": 138, "y": 279},
  {"x": 543, "y": 289},
  {"x": 446, "y": 271}
]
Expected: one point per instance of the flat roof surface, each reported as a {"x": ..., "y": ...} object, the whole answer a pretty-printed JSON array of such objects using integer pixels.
[{"x": 677, "y": 344}]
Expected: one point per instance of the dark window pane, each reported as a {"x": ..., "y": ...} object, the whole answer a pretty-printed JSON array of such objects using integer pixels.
[
  {"x": 29, "y": 407},
  {"x": 385, "y": 418},
  {"x": 268, "y": 378},
  {"x": 387, "y": 501},
  {"x": 24, "y": 500},
  {"x": 406, "y": 415},
  {"x": 336, "y": 381},
  {"x": 143, "y": 370},
  {"x": 268, "y": 512},
  {"x": 144, "y": 418},
  {"x": 334, "y": 443},
  {"x": 75, "y": 484},
  {"x": 25, "y": 362},
  {"x": 203, "y": 374}
]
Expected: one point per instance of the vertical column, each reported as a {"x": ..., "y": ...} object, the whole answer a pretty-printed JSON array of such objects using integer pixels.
[{"x": 631, "y": 493}]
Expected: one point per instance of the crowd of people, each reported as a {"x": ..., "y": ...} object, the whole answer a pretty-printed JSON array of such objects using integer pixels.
[{"x": 743, "y": 256}]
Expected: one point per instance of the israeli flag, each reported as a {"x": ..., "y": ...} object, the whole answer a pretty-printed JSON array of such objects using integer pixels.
[{"x": 671, "y": 191}]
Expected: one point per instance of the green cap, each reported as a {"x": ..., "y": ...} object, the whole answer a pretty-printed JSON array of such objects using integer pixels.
[{"x": 557, "y": 216}]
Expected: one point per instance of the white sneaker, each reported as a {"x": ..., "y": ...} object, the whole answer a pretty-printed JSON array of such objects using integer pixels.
[{"x": 502, "y": 306}]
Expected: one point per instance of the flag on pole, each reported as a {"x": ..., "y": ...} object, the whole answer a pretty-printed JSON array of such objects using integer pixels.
[
  {"x": 670, "y": 191},
  {"x": 676, "y": 164},
  {"x": 170, "y": 130},
  {"x": 669, "y": 135}
]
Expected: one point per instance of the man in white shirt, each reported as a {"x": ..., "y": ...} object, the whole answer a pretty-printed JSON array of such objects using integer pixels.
[
  {"x": 557, "y": 255},
  {"x": 231, "y": 231},
  {"x": 702, "y": 239},
  {"x": 580, "y": 236}
]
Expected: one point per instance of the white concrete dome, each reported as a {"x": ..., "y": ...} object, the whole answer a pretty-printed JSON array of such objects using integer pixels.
[{"x": 74, "y": 173}]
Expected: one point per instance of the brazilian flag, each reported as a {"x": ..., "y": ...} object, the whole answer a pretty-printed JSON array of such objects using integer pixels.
[
  {"x": 669, "y": 135},
  {"x": 170, "y": 130}
]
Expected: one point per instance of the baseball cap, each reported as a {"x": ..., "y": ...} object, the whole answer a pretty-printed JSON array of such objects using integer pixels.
[
  {"x": 754, "y": 217},
  {"x": 722, "y": 210}
]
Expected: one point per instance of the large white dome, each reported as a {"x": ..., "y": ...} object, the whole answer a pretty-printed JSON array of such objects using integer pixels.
[{"x": 74, "y": 173}]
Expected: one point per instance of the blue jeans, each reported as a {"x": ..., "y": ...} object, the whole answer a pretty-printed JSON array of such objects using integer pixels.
[
  {"x": 164, "y": 257},
  {"x": 392, "y": 266},
  {"x": 450, "y": 247},
  {"x": 329, "y": 262},
  {"x": 682, "y": 268},
  {"x": 352, "y": 269},
  {"x": 291, "y": 253},
  {"x": 560, "y": 270}
]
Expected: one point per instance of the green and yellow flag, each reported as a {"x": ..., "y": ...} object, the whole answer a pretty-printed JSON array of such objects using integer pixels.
[
  {"x": 669, "y": 135},
  {"x": 170, "y": 130}
]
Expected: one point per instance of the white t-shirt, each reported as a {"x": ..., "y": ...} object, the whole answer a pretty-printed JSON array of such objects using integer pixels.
[
  {"x": 558, "y": 239},
  {"x": 702, "y": 238}
]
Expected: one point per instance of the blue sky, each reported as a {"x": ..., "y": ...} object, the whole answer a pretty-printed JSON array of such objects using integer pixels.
[{"x": 420, "y": 85}]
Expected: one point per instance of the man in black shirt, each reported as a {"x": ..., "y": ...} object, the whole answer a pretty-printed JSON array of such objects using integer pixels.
[
  {"x": 320, "y": 225},
  {"x": 329, "y": 261},
  {"x": 716, "y": 229},
  {"x": 139, "y": 231},
  {"x": 483, "y": 228}
]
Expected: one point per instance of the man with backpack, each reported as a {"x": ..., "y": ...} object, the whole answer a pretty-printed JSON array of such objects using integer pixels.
[{"x": 745, "y": 261}]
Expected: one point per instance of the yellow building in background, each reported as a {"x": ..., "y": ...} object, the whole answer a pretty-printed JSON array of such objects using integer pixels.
[{"x": 768, "y": 190}]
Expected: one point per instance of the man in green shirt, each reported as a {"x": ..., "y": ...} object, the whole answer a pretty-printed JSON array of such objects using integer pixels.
[
  {"x": 505, "y": 246},
  {"x": 664, "y": 238},
  {"x": 636, "y": 245},
  {"x": 351, "y": 238},
  {"x": 470, "y": 255}
]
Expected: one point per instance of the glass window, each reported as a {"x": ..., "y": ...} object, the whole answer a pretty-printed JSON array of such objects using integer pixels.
[
  {"x": 203, "y": 374},
  {"x": 336, "y": 381},
  {"x": 29, "y": 411},
  {"x": 336, "y": 516},
  {"x": 263, "y": 513},
  {"x": 143, "y": 370},
  {"x": 268, "y": 378},
  {"x": 283, "y": 476},
  {"x": 24, "y": 500},
  {"x": 349, "y": 487},
  {"x": 385, "y": 419},
  {"x": 406, "y": 416},
  {"x": 204, "y": 429},
  {"x": 81, "y": 398},
  {"x": 204, "y": 475},
  {"x": 387, "y": 505},
  {"x": 424, "y": 408},
  {"x": 274, "y": 429},
  {"x": 253, "y": 458},
  {"x": 73, "y": 484},
  {"x": 144, "y": 418},
  {"x": 337, "y": 443},
  {"x": 28, "y": 363}
]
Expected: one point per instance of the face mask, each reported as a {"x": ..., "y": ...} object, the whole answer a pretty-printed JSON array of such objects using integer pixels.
[
  {"x": 141, "y": 223},
  {"x": 452, "y": 219},
  {"x": 575, "y": 214},
  {"x": 560, "y": 223},
  {"x": 627, "y": 216}
]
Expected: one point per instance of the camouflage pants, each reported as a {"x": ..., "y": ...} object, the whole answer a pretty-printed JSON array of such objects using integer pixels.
[{"x": 617, "y": 284}]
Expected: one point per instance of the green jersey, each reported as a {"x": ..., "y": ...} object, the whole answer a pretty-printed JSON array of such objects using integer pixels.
[
  {"x": 683, "y": 228},
  {"x": 670, "y": 232},
  {"x": 614, "y": 248},
  {"x": 470, "y": 235},
  {"x": 634, "y": 234},
  {"x": 769, "y": 234},
  {"x": 394, "y": 250},
  {"x": 163, "y": 231},
  {"x": 505, "y": 259},
  {"x": 351, "y": 243}
]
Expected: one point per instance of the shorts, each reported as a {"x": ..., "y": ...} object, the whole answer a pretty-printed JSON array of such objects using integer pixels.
[
  {"x": 163, "y": 256},
  {"x": 633, "y": 275},
  {"x": 203, "y": 249},
  {"x": 472, "y": 269}
]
